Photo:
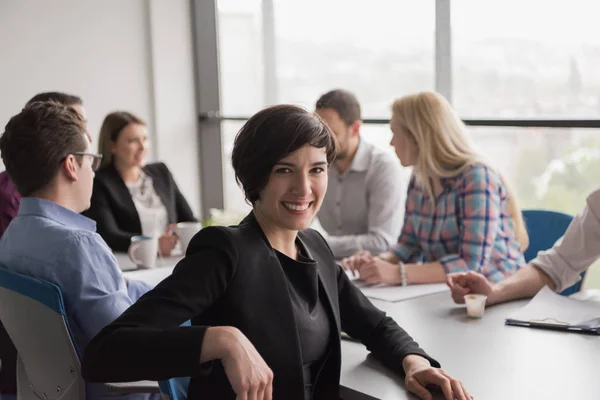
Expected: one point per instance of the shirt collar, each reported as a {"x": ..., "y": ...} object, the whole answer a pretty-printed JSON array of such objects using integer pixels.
[
  {"x": 43, "y": 208},
  {"x": 361, "y": 159}
]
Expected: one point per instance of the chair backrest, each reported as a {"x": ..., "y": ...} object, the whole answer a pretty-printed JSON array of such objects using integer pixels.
[
  {"x": 545, "y": 228},
  {"x": 175, "y": 388},
  {"x": 33, "y": 314}
]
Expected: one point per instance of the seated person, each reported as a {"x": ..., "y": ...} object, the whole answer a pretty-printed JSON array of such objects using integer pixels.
[
  {"x": 9, "y": 196},
  {"x": 460, "y": 215},
  {"x": 9, "y": 207},
  {"x": 131, "y": 197},
  {"x": 558, "y": 268},
  {"x": 49, "y": 239},
  {"x": 266, "y": 299},
  {"x": 364, "y": 204}
]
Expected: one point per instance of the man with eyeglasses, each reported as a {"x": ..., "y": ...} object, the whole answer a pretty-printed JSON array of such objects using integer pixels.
[
  {"x": 47, "y": 153},
  {"x": 9, "y": 196},
  {"x": 9, "y": 207}
]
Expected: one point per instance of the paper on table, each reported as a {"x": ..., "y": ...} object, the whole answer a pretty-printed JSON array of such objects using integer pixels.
[
  {"x": 393, "y": 294},
  {"x": 551, "y": 307}
]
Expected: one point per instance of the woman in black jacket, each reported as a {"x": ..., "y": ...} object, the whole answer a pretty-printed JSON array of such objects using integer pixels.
[
  {"x": 266, "y": 299},
  {"x": 130, "y": 197}
]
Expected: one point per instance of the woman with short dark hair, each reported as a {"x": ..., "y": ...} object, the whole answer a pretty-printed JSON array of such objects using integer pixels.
[{"x": 266, "y": 299}]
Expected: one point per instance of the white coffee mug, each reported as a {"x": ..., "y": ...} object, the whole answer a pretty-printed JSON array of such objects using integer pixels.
[
  {"x": 143, "y": 251},
  {"x": 185, "y": 232}
]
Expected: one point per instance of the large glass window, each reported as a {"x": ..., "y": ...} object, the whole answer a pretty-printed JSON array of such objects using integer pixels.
[
  {"x": 526, "y": 59},
  {"x": 379, "y": 50},
  {"x": 549, "y": 168}
]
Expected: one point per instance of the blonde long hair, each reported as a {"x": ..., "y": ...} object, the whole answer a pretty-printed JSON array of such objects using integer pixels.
[{"x": 445, "y": 150}]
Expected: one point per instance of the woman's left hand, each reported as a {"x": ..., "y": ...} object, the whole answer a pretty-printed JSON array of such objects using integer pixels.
[
  {"x": 380, "y": 271},
  {"x": 420, "y": 374}
]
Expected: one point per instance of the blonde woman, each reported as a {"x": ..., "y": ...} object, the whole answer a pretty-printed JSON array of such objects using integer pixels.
[{"x": 460, "y": 214}]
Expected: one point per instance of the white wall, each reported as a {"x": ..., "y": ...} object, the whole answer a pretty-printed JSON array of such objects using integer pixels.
[{"x": 134, "y": 55}]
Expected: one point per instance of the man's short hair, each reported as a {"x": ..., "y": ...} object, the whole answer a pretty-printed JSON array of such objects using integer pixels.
[
  {"x": 58, "y": 97},
  {"x": 37, "y": 140},
  {"x": 343, "y": 102}
]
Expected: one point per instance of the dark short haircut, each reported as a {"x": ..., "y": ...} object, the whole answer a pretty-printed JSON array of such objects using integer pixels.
[
  {"x": 343, "y": 102},
  {"x": 58, "y": 97},
  {"x": 37, "y": 140},
  {"x": 269, "y": 136}
]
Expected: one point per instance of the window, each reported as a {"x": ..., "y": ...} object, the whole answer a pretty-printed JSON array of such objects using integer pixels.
[
  {"x": 549, "y": 168},
  {"x": 379, "y": 50},
  {"x": 526, "y": 59}
]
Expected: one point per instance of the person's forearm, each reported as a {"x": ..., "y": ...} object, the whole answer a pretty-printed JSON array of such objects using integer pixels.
[
  {"x": 432, "y": 272},
  {"x": 217, "y": 343},
  {"x": 526, "y": 282},
  {"x": 347, "y": 245}
]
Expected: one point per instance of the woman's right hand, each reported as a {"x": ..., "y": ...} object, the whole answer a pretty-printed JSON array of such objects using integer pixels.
[
  {"x": 250, "y": 377},
  {"x": 354, "y": 262},
  {"x": 166, "y": 244}
]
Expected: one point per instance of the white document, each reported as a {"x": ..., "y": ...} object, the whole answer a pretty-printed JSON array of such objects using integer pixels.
[
  {"x": 552, "y": 308},
  {"x": 393, "y": 294}
]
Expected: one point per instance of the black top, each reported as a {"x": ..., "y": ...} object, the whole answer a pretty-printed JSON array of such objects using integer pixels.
[
  {"x": 231, "y": 276},
  {"x": 113, "y": 209},
  {"x": 310, "y": 315},
  {"x": 8, "y": 357}
]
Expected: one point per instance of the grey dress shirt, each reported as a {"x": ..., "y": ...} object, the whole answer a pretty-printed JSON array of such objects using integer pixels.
[{"x": 363, "y": 208}]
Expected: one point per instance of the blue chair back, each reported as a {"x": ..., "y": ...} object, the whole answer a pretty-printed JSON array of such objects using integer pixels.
[
  {"x": 175, "y": 388},
  {"x": 544, "y": 229},
  {"x": 48, "y": 364}
]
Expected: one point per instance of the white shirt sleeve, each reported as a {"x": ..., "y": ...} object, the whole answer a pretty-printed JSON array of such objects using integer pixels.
[{"x": 576, "y": 250}]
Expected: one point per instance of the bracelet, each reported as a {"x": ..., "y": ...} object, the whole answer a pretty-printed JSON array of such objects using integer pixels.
[{"x": 402, "y": 274}]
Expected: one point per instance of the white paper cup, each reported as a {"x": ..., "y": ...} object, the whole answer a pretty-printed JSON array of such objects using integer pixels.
[
  {"x": 185, "y": 232},
  {"x": 475, "y": 305}
]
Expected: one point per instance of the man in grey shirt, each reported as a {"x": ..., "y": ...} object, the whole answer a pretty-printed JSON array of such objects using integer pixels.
[{"x": 363, "y": 208}]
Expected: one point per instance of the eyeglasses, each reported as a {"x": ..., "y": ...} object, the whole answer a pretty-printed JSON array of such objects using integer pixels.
[{"x": 96, "y": 159}]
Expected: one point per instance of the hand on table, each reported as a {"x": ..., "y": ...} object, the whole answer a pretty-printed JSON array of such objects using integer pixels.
[
  {"x": 355, "y": 261},
  {"x": 166, "y": 243},
  {"x": 420, "y": 374},
  {"x": 378, "y": 270},
  {"x": 470, "y": 282}
]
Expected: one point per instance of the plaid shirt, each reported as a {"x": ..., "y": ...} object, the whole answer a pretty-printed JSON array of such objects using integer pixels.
[{"x": 469, "y": 228}]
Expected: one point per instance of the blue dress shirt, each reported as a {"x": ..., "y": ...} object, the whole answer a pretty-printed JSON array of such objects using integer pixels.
[{"x": 49, "y": 242}]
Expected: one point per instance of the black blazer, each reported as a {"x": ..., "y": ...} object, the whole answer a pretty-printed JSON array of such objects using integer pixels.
[
  {"x": 114, "y": 211},
  {"x": 232, "y": 277}
]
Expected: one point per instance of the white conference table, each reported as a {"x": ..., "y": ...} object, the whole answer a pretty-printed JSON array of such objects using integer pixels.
[{"x": 493, "y": 360}]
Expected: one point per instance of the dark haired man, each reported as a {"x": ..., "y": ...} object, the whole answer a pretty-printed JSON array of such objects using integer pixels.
[
  {"x": 46, "y": 151},
  {"x": 9, "y": 196},
  {"x": 364, "y": 205}
]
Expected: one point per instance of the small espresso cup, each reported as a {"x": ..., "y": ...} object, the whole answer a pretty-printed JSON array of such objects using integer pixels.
[
  {"x": 185, "y": 232},
  {"x": 475, "y": 305},
  {"x": 143, "y": 251}
]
